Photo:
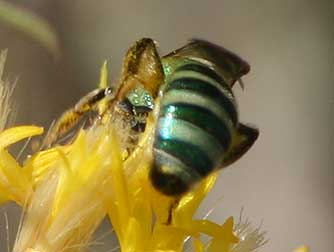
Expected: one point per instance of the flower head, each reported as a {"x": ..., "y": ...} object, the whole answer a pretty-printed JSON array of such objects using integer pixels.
[{"x": 66, "y": 191}]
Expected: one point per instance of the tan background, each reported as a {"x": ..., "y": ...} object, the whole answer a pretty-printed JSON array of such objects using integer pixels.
[{"x": 286, "y": 180}]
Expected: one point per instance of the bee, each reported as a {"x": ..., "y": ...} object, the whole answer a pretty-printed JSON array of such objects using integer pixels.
[{"x": 197, "y": 128}]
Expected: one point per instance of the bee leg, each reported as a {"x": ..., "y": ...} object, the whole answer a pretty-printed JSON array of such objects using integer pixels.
[
  {"x": 244, "y": 139},
  {"x": 172, "y": 207},
  {"x": 73, "y": 115},
  {"x": 141, "y": 67}
]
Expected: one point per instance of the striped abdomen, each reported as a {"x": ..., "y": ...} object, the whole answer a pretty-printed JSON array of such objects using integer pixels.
[{"x": 195, "y": 127}]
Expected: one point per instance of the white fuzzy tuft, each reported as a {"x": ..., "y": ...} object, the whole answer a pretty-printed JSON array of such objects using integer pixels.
[
  {"x": 6, "y": 92},
  {"x": 251, "y": 238}
]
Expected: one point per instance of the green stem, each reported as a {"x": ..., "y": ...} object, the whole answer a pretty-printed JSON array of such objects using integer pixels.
[{"x": 31, "y": 25}]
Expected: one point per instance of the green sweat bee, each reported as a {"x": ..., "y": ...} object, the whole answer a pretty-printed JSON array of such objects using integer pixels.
[{"x": 197, "y": 128}]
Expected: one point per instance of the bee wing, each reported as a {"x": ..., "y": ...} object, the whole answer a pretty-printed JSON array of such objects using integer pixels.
[
  {"x": 244, "y": 139},
  {"x": 141, "y": 66},
  {"x": 225, "y": 62}
]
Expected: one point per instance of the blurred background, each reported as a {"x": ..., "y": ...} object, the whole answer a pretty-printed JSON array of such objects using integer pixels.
[{"x": 286, "y": 181}]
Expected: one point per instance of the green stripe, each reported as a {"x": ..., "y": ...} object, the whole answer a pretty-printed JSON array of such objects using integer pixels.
[
  {"x": 202, "y": 118},
  {"x": 206, "y": 71},
  {"x": 206, "y": 89},
  {"x": 172, "y": 165},
  {"x": 226, "y": 91},
  {"x": 187, "y": 153},
  {"x": 190, "y": 144},
  {"x": 195, "y": 99}
]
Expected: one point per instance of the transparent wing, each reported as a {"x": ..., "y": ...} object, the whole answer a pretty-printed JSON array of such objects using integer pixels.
[{"x": 228, "y": 64}]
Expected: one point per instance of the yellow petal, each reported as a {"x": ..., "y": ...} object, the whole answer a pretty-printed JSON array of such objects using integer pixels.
[
  {"x": 161, "y": 205},
  {"x": 190, "y": 202},
  {"x": 18, "y": 182},
  {"x": 15, "y": 134},
  {"x": 223, "y": 237},
  {"x": 168, "y": 238},
  {"x": 119, "y": 183},
  {"x": 71, "y": 195},
  {"x": 38, "y": 165},
  {"x": 104, "y": 75},
  {"x": 218, "y": 245},
  {"x": 302, "y": 248},
  {"x": 3, "y": 196},
  {"x": 15, "y": 181},
  {"x": 143, "y": 213},
  {"x": 102, "y": 106},
  {"x": 198, "y": 245},
  {"x": 132, "y": 240}
]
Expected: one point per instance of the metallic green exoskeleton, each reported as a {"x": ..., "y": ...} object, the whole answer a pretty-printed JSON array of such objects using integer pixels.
[
  {"x": 197, "y": 128},
  {"x": 138, "y": 103}
]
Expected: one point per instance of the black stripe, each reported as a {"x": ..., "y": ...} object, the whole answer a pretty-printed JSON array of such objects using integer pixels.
[
  {"x": 202, "y": 118},
  {"x": 189, "y": 154},
  {"x": 205, "y": 88},
  {"x": 205, "y": 71}
]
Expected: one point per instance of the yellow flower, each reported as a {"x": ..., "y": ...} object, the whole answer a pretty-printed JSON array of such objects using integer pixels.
[
  {"x": 15, "y": 182},
  {"x": 90, "y": 180},
  {"x": 67, "y": 191},
  {"x": 302, "y": 248},
  {"x": 140, "y": 215},
  {"x": 68, "y": 203}
]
